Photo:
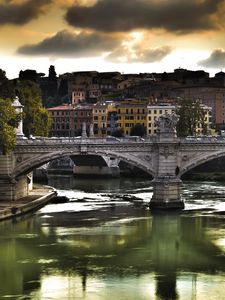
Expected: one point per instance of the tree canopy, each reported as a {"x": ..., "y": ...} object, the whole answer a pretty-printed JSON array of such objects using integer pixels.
[
  {"x": 6, "y": 86},
  {"x": 52, "y": 82},
  {"x": 192, "y": 114},
  {"x": 52, "y": 73},
  {"x": 138, "y": 130},
  {"x": 9, "y": 120},
  {"x": 119, "y": 132},
  {"x": 31, "y": 75},
  {"x": 36, "y": 118}
]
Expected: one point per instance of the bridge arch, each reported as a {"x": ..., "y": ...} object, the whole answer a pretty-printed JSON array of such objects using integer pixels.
[
  {"x": 27, "y": 165},
  {"x": 206, "y": 157}
]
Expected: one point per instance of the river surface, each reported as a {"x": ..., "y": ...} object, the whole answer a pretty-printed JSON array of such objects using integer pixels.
[{"x": 104, "y": 244}]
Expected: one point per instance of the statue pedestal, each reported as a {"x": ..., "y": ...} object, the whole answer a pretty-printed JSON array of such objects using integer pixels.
[{"x": 167, "y": 136}]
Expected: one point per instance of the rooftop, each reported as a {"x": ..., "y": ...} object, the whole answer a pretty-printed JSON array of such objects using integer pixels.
[{"x": 61, "y": 107}]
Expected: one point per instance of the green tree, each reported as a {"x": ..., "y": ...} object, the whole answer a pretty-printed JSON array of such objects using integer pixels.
[
  {"x": 36, "y": 118},
  {"x": 42, "y": 122},
  {"x": 192, "y": 114},
  {"x": 138, "y": 130},
  {"x": 6, "y": 86},
  {"x": 52, "y": 82},
  {"x": 9, "y": 120},
  {"x": 118, "y": 132}
]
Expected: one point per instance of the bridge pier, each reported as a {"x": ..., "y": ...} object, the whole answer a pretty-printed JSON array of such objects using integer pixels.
[
  {"x": 167, "y": 184},
  {"x": 12, "y": 189},
  {"x": 166, "y": 193}
]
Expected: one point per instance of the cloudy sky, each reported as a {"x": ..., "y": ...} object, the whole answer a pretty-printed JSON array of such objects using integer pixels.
[{"x": 130, "y": 36}]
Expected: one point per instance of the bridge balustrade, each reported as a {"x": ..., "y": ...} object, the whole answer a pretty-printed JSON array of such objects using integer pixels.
[{"x": 164, "y": 156}]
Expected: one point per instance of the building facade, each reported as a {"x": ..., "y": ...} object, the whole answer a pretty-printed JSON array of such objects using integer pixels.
[
  {"x": 130, "y": 113},
  {"x": 82, "y": 114},
  {"x": 62, "y": 120}
]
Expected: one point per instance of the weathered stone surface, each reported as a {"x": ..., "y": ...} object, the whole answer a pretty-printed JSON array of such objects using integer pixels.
[{"x": 165, "y": 159}]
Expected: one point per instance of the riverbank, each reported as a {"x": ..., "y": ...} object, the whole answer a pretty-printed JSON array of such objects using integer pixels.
[{"x": 37, "y": 198}]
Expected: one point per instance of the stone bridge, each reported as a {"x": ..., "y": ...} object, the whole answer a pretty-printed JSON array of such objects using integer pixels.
[{"x": 163, "y": 156}]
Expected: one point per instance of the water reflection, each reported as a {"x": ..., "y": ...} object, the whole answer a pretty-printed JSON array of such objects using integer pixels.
[{"x": 124, "y": 253}]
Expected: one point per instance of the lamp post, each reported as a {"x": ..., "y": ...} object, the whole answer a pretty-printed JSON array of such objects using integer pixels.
[{"x": 19, "y": 109}]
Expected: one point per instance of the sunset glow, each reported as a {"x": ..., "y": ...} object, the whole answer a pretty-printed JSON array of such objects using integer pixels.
[{"x": 111, "y": 35}]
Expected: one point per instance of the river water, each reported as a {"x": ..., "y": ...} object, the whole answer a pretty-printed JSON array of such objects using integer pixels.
[{"x": 105, "y": 244}]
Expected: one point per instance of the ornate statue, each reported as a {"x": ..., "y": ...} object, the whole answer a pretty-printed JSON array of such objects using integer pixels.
[{"x": 167, "y": 122}]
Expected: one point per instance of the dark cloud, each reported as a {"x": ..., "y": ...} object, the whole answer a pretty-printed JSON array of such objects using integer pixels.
[
  {"x": 173, "y": 15},
  {"x": 67, "y": 44},
  {"x": 136, "y": 54},
  {"x": 215, "y": 60},
  {"x": 21, "y": 13}
]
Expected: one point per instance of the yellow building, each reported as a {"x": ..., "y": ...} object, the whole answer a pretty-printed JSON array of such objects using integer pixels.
[
  {"x": 207, "y": 120},
  {"x": 154, "y": 111},
  {"x": 100, "y": 113},
  {"x": 131, "y": 113}
]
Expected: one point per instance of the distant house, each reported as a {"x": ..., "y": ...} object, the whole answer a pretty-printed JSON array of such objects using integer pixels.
[
  {"x": 62, "y": 120},
  {"x": 79, "y": 94}
]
